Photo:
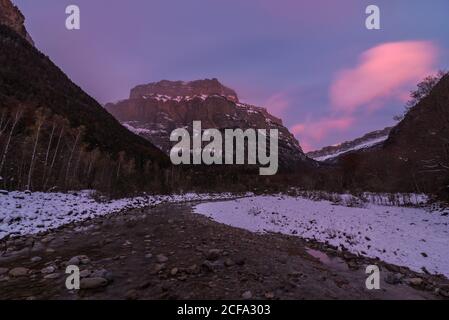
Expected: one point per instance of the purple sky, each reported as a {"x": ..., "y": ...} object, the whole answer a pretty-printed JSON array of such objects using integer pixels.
[{"x": 313, "y": 63}]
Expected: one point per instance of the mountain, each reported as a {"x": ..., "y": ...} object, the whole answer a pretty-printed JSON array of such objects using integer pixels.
[
  {"x": 156, "y": 109},
  {"x": 206, "y": 87},
  {"x": 11, "y": 16},
  {"x": 369, "y": 140},
  {"x": 54, "y": 135},
  {"x": 415, "y": 157}
]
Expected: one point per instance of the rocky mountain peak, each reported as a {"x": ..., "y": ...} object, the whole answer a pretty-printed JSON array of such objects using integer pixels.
[
  {"x": 155, "y": 109},
  {"x": 183, "y": 89},
  {"x": 11, "y": 16}
]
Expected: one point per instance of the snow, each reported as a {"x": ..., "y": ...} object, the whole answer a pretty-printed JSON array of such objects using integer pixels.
[
  {"x": 166, "y": 98},
  {"x": 413, "y": 237},
  {"x": 24, "y": 213},
  {"x": 136, "y": 130},
  {"x": 367, "y": 144}
]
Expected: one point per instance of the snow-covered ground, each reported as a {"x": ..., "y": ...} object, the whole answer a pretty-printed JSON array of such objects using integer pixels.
[
  {"x": 412, "y": 237},
  {"x": 28, "y": 213}
]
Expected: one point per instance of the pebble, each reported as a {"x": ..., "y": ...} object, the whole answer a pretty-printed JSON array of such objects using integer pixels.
[
  {"x": 93, "y": 283},
  {"x": 174, "y": 271},
  {"x": 247, "y": 295},
  {"x": 52, "y": 276},
  {"x": 415, "y": 281},
  {"x": 73, "y": 261},
  {"x": 161, "y": 258},
  {"x": 47, "y": 270},
  {"x": 229, "y": 263},
  {"x": 158, "y": 267},
  {"x": 213, "y": 254},
  {"x": 85, "y": 273},
  {"x": 18, "y": 272},
  {"x": 36, "y": 259},
  {"x": 3, "y": 271},
  {"x": 393, "y": 278},
  {"x": 148, "y": 256}
]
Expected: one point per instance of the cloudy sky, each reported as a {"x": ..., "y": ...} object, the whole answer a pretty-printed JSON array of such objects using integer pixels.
[{"x": 312, "y": 63}]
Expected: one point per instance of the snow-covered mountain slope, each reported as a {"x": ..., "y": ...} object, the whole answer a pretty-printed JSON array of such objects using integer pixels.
[
  {"x": 367, "y": 141},
  {"x": 413, "y": 237}
]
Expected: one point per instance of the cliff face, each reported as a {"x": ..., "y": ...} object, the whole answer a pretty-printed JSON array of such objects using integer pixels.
[
  {"x": 205, "y": 87},
  {"x": 11, "y": 16},
  {"x": 155, "y": 110}
]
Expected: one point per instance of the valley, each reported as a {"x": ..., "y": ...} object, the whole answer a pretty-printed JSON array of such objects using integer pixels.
[{"x": 169, "y": 252}]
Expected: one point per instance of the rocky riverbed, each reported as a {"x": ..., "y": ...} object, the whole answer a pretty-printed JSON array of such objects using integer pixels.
[{"x": 169, "y": 252}]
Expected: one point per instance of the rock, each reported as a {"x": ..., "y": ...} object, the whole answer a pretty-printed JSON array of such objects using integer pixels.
[
  {"x": 229, "y": 263},
  {"x": 158, "y": 267},
  {"x": 47, "y": 270},
  {"x": 84, "y": 259},
  {"x": 269, "y": 295},
  {"x": 4, "y": 192},
  {"x": 247, "y": 295},
  {"x": 352, "y": 264},
  {"x": 78, "y": 260},
  {"x": 75, "y": 261},
  {"x": 240, "y": 261},
  {"x": 416, "y": 282},
  {"x": 393, "y": 278},
  {"x": 444, "y": 292},
  {"x": 132, "y": 295},
  {"x": 174, "y": 271},
  {"x": 18, "y": 272},
  {"x": 393, "y": 268},
  {"x": 36, "y": 259},
  {"x": 50, "y": 250},
  {"x": 85, "y": 273},
  {"x": 52, "y": 276},
  {"x": 148, "y": 256},
  {"x": 208, "y": 266},
  {"x": 3, "y": 271},
  {"x": 93, "y": 283},
  {"x": 213, "y": 254},
  {"x": 193, "y": 269},
  {"x": 47, "y": 240},
  {"x": 161, "y": 258}
]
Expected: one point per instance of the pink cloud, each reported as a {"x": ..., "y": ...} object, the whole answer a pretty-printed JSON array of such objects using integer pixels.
[
  {"x": 278, "y": 103},
  {"x": 312, "y": 132},
  {"x": 384, "y": 72}
]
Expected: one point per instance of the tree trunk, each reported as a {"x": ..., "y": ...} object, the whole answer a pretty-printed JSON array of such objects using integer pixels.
[
  {"x": 54, "y": 158},
  {"x": 33, "y": 157},
  {"x": 70, "y": 158},
  {"x": 5, "y": 152},
  {"x": 48, "y": 152}
]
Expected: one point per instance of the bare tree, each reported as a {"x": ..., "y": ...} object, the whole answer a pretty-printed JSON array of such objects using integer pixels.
[
  {"x": 4, "y": 122},
  {"x": 69, "y": 162},
  {"x": 54, "y": 157},
  {"x": 17, "y": 117},
  {"x": 40, "y": 122},
  {"x": 53, "y": 129},
  {"x": 424, "y": 88}
]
